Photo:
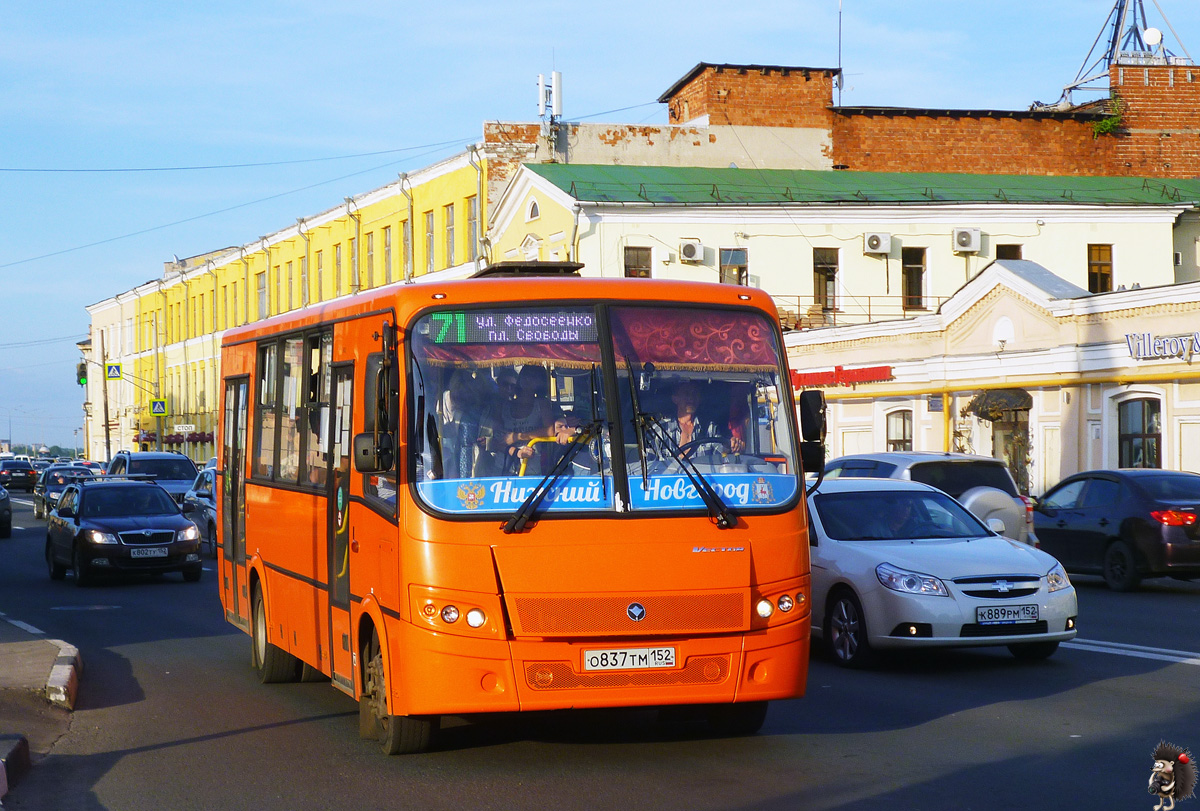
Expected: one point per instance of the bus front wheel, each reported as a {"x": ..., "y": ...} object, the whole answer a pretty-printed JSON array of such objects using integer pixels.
[
  {"x": 736, "y": 720},
  {"x": 273, "y": 664},
  {"x": 396, "y": 734}
]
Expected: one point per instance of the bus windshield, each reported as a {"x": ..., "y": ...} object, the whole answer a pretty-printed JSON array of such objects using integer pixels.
[{"x": 501, "y": 394}]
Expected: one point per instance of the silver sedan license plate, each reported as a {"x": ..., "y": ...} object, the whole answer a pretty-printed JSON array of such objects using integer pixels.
[
  {"x": 149, "y": 552},
  {"x": 628, "y": 659},
  {"x": 1005, "y": 614}
]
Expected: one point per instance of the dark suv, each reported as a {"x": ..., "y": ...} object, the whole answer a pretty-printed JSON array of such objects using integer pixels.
[
  {"x": 174, "y": 471},
  {"x": 120, "y": 525},
  {"x": 16, "y": 474}
]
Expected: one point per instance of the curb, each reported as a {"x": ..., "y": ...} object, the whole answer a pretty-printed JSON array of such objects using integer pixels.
[
  {"x": 14, "y": 755},
  {"x": 63, "y": 684}
]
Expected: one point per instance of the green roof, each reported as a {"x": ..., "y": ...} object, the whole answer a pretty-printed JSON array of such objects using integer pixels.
[{"x": 689, "y": 185}]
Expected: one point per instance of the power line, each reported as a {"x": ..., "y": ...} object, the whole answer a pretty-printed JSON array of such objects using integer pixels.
[
  {"x": 72, "y": 338},
  {"x": 132, "y": 169}
]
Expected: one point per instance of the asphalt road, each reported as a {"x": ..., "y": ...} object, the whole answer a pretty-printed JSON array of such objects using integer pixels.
[{"x": 170, "y": 716}]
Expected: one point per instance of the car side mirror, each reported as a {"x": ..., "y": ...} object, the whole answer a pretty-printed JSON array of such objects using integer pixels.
[
  {"x": 66, "y": 512},
  {"x": 996, "y": 525},
  {"x": 188, "y": 507}
]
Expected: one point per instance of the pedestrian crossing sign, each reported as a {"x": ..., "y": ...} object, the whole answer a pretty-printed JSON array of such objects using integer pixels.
[
  {"x": 158, "y": 408},
  {"x": 112, "y": 371}
]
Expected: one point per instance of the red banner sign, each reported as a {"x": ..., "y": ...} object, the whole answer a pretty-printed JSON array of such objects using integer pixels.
[{"x": 841, "y": 377}]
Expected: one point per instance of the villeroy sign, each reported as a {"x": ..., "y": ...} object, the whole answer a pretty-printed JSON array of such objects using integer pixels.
[
  {"x": 1147, "y": 346},
  {"x": 841, "y": 377}
]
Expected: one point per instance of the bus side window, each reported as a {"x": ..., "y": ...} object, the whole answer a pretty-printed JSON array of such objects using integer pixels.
[{"x": 379, "y": 487}]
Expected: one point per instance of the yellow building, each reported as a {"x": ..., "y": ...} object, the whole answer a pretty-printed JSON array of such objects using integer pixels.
[{"x": 166, "y": 333}]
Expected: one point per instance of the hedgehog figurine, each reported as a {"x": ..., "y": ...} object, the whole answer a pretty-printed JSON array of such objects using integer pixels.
[{"x": 1173, "y": 776}]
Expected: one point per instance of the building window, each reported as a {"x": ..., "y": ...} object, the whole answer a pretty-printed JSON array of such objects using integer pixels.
[
  {"x": 734, "y": 267},
  {"x": 899, "y": 430},
  {"x": 449, "y": 223},
  {"x": 1139, "y": 433},
  {"x": 472, "y": 228},
  {"x": 320, "y": 275},
  {"x": 912, "y": 278},
  {"x": 304, "y": 290},
  {"x": 406, "y": 238},
  {"x": 637, "y": 263},
  {"x": 825, "y": 268},
  {"x": 261, "y": 282},
  {"x": 1008, "y": 251},
  {"x": 533, "y": 212},
  {"x": 371, "y": 259},
  {"x": 355, "y": 280},
  {"x": 1100, "y": 269},
  {"x": 337, "y": 270},
  {"x": 387, "y": 254},
  {"x": 429, "y": 242},
  {"x": 278, "y": 289},
  {"x": 291, "y": 286}
]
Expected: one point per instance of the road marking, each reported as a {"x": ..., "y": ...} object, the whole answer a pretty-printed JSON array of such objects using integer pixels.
[
  {"x": 23, "y": 501},
  {"x": 1181, "y": 657}
]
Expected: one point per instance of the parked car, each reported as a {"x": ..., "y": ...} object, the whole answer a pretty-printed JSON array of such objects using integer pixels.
[
  {"x": 1123, "y": 524},
  {"x": 174, "y": 471},
  {"x": 903, "y": 565},
  {"x": 120, "y": 525},
  {"x": 202, "y": 497},
  {"x": 5, "y": 514},
  {"x": 17, "y": 474},
  {"x": 980, "y": 483},
  {"x": 51, "y": 484}
]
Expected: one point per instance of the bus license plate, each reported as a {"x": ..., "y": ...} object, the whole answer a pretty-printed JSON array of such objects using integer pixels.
[
  {"x": 149, "y": 552},
  {"x": 1005, "y": 614},
  {"x": 628, "y": 659}
]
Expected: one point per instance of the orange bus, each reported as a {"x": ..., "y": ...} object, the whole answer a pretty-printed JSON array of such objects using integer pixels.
[{"x": 519, "y": 491}]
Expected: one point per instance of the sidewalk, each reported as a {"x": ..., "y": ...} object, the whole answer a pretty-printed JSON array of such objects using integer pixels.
[{"x": 39, "y": 678}]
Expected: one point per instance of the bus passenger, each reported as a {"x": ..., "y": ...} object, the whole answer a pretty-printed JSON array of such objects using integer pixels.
[
  {"x": 685, "y": 426},
  {"x": 530, "y": 415}
]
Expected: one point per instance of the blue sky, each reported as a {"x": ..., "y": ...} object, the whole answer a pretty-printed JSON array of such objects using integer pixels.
[{"x": 139, "y": 85}]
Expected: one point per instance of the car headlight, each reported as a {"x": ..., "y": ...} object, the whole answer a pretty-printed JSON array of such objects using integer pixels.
[
  {"x": 1056, "y": 579},
  {"x": 96, "y": 536},
  {"x": 189, "y": 534},
  {"x": 907, "y": 582}
]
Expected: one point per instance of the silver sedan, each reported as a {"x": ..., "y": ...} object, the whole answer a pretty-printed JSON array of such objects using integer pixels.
[{"x": 898, "y": 564}]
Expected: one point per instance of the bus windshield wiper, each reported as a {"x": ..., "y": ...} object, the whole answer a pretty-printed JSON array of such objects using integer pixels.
[
  {"x": 524, "y": 513},
  {"x": 717, "y": 509},
  {"x": 639, "y": 424}
]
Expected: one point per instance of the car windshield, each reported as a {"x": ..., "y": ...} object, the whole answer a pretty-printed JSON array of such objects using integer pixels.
[
  {"x": 112, "y": 502},
  {"x": 15, "y": 466},
  {"x": 1171, "y": 488},
  {"x": 170, "y": 469},
  {"x": 957, "y": 478},
  {"x": 59, "y": 479},
  {"x": 883, "y": 515}
]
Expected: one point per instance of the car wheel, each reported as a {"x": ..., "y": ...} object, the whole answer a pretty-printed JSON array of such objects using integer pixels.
[
  {"x": 1032, "y": 651},
  {"x": 192, "y": 575},
  {"x": 79, "y": 568},
  {"x": 736, "y": 720},
  {"x": 1120, "y": 568},
  {"x": 396, "y": 734},
  {"x": 6, "y": 529},
  {"x": 273, "y": 664},
  {"x": 846, "y": 631},
  {"x": 212, "y": 540},
  {"x": 57, "y": 570},
  {"x": 37, "y": 510}
]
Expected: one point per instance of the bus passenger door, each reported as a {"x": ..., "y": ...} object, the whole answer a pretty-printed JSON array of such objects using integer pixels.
[
  {"x": 338, "y": 521},
  {"x": 233, "y": 524}
]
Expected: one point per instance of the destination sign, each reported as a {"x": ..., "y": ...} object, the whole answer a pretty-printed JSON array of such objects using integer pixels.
[{"x": 513, "y": 327}]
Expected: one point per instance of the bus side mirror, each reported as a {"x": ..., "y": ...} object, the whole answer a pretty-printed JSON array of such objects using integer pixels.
[
  {"x": 812, "y": 456},
  {"x": 372, "y": 458},
  {"x": 812, "y": 415}
]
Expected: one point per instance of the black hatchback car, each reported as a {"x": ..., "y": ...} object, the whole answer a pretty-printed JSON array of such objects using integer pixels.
[
  {"x": 106, "y": 525},
  {"x": 51, "y": 484},
  {"x": 16, "y": 474},
  {"x": 1124, "y": 524}
]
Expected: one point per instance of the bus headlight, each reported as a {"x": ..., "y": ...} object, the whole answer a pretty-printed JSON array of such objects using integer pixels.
[
  {"x": 786, "y": 603},
  {"x": 476, "y": 618},
  {"x": 764, "y": 608},
  {"x": 450, "y": 614}
]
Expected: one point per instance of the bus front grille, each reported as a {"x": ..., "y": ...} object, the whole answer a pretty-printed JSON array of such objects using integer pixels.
[
  {"x": 609, "y": 615},
  {"x": 561, "y": 676}
]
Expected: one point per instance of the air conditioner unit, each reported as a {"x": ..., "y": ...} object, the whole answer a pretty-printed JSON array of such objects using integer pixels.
[
  {"x": 691, "y": 250},
  {"x": 877, "y": 243},
  {"x": 966, "y": 240}
]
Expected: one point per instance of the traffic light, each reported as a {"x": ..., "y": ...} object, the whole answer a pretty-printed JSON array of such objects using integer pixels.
[{"x": 81, "y": 373}]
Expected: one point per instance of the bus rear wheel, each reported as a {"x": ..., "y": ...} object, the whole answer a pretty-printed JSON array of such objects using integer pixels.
[
  {"x": 396, "y": 734},
  {"x": 273, "y": 664}
]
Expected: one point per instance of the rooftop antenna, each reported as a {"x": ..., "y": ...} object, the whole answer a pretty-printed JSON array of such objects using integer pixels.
[
  {"x": 839, "y": 78},
  {"x": 550, "y": 99},
  {"x": 1128, "y": 40}
]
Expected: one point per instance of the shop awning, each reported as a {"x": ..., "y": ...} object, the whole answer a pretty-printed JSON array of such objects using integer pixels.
[{"x": 991, "y": 404}]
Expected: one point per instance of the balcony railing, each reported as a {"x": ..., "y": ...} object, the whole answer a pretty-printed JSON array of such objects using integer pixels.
[{"x": 806, "y": 312}]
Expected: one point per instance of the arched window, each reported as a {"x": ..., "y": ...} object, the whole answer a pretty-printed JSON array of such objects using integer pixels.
[
  {"x": 533, "y": 212},
  {"x": 1139, "y": 433},
  {"x": 899, "y": 430}
]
